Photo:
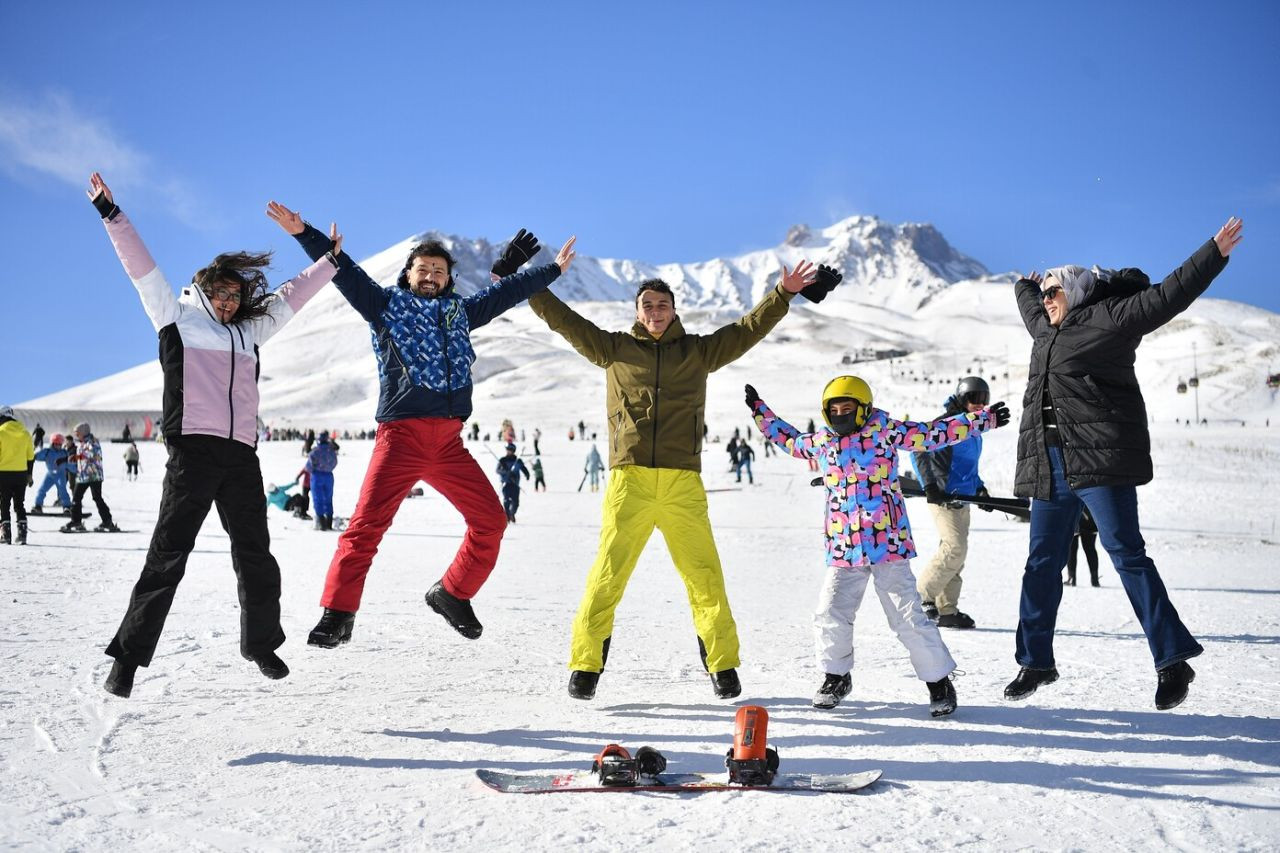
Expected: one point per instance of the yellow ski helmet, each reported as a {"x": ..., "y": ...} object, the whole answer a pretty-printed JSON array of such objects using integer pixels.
[{"x": 850, "y": 388}]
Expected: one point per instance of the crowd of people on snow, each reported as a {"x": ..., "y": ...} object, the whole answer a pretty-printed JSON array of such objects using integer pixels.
[{"x": 1082, "y": 450}]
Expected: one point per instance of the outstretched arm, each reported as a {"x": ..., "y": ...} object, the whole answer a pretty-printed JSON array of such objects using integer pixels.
[
  {"x": 1152, "y": 308},
  {"x": 731, "y": 342},
  {"x": 514, "y": 289},
  {"x": 775, "y": 429},
  {"x": 356, "y": 285},
  {"x": 593, "y": 343},
  {"x": 917, "y": 436},
  {"x": 289, "y": 298},
  {"x": 156, "y": 294}
]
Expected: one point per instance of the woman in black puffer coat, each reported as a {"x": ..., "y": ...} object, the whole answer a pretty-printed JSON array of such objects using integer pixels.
[{"x": 1084, "y": 442}]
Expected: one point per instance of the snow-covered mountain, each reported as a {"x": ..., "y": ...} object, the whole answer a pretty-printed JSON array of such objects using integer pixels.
[{"x": 905, "y": 289}]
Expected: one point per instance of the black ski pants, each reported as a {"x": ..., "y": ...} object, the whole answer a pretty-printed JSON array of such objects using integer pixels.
[
  {"x": 204, "y": 470},
  {"x": 94, "y": 487},
  {"x": 13, "y": 490}
]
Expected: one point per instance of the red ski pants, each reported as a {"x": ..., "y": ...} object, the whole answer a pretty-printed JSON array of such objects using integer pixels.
[{"x": 431, "y": 450}]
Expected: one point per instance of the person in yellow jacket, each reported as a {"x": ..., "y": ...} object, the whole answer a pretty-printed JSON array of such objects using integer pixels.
[
  {"x": 17, "y": 460},
  {"x": 656, "y": 380}
]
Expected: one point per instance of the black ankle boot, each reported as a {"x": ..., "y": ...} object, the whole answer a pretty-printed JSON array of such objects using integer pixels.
[
  {"x": 456, "y": 611},
  {"x": 334, "y": 627},
  {"x": 5, "y": 535},
  {"x": 120, "y": 681},
  {"x": 942, "y": 697},
  {"x": 1174, "y": 682},
  {"x": 726, "y": 683},
  {"x": 22, "y": 532},
  {"x": 582, "y": 684},
  {"x": 1028, "y": 680},
  {"x": 270, "y": 664}
]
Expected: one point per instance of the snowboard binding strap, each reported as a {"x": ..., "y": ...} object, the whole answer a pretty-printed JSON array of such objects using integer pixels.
[
  {"x": 616, "y": 767},
  {"x": 751, "y": 761}
]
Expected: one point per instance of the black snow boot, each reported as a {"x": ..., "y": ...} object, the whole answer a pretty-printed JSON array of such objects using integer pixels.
[
  {"x": 942, "y": 697},
  {"x": 106, "y": 527},
  {"x": 120, "y": 681},
  {"x": 1175, "y": 681},
  {"x": 22, "y": 532},
  {"x": 726, "y": 683},
  {"x": 1028, "y": 680},
  {"x": 5, "y": 536},
  {"x": 333, "y": 629},
  {"x": 456, "y": 611},
  {"x": 73, "y": 527},
  {"x": 833, "y": 689},
  {"x": 930, "y": 610},
  {"x": 270, "y": 664},
  {"x": 582, "y": 684},
  {"x": 955, "y": 620}
]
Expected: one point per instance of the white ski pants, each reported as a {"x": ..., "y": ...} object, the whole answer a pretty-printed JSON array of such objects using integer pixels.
[{"x": 838, "y": 604}]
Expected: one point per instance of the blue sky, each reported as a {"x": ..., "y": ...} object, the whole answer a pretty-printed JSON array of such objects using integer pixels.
[{"x": 1030, "y": 134}]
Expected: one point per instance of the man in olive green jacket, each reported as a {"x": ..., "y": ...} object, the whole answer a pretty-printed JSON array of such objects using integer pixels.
[{"x": 656, "y": 379}]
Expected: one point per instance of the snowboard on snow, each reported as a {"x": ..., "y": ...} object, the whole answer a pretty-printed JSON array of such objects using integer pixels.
[
  {"x": 61, "y": 513},
  {"x": 752, "y": 766},
  {"x": 91, "y": 530},
  {"x": 687, "y": 783}
]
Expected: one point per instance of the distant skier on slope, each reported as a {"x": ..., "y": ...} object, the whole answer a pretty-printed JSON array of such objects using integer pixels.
[
  {"x": 209, "y": 342},
  {"x": 422, "y": 339},
  {"x": 1083, "y": 441},
  {"x": 655, "y": 460},
  {"x": 510, "y": 467},
  {"x": 17, "y": 462},
  {"x": 54, "y": 458},
  {"x": 321, "y": 461},
  {"x": 594, "y": 467},
  {"x": 868, "y": 534},
  {"x": 90, "y": 473}
]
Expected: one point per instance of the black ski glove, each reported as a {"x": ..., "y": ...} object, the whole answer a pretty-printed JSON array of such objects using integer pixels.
[
  {"x": 517, "y": 253},
  {"x": 1001, "y": 411},
  {"x": 934, "y": 495},
  {"x": 106, "y": 209},
  {"x": 826, "y": 282},
  {"x": 752, "y": 398},
  {"x": 983, "y": 493}
]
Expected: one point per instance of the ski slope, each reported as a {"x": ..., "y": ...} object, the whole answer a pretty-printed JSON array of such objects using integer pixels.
[{"x": 373, "y": 746}]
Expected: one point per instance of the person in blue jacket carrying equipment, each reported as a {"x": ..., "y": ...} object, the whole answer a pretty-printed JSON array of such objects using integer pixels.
[
  {"x": 951, "y": 471},
  {"x": 320, "y": 463},
  {"x": 510, "y": 467},
  {"x": 54, "y": 458}
]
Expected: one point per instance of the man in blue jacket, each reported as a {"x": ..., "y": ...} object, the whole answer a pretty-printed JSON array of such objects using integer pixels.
[
  {"x": 510, "y": 467},
  {"x": 422, "y": 339},
  {"x": 952, "y": 470}
]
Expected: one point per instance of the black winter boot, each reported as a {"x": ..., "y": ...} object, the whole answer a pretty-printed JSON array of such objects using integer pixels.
[
  {"x": 120, "y": 681},
  {"x": 1028, "y": 680},
  {"x": 1174, "y": 682},
  {"x": 22, "y": 532},
  {"x": 5, "y": 536},
  {"x": 270, "y": 664},
  {"x": 955, "y": 620},
  {"x": 942, "y": 697},
  {"x": 726, "y": 683},
  {"x": 334, "y": 628},
  {"x": 930, "y": 610},
  {"x": 833, "y": 689},
  {"x": 582, "y": 684},
  {"x": 456, "y": 611}
]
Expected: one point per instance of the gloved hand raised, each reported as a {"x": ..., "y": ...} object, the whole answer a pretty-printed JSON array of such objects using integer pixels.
[
  {"x": 752, "y": 397},
  {"x": 517, "y": 253},
  {"x": 826, "y": 282},
  {"x": 1001, "y": 411},
  {"x": 934, "y": 495}
]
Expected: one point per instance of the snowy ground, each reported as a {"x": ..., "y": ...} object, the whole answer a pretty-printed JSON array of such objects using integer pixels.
[{"x": 374, "y": 745}]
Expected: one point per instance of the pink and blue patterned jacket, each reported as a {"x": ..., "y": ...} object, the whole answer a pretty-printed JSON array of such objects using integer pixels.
[{"x": 866, "y": 520}]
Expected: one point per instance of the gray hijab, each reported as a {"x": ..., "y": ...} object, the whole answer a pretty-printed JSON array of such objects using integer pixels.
[{"x": 1077, "y": 283}]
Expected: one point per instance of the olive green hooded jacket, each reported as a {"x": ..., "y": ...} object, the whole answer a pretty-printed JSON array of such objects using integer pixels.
[{"x": 656, "y": 390}]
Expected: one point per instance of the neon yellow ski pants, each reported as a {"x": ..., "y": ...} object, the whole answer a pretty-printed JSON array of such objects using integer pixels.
[{"x": 636, "y": 501}]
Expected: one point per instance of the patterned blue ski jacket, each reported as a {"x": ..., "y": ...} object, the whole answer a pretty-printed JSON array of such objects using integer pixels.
[{"x": 423, "y": 345}]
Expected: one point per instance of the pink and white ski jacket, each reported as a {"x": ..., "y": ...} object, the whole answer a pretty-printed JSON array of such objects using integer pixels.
[
  {"x": 210, "y": 369},
  {"x": 866, "y": 520}
]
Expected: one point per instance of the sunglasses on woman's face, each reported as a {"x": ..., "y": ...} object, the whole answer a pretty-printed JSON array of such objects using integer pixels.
[
  {"x": 1050, "y": 292},
  {"x": 223, "y": 294}
]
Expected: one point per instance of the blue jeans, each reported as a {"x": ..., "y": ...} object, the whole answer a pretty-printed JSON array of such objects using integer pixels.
[
  {"x": 1053, "y": 524},
  {"x": 745, "y": 463}
]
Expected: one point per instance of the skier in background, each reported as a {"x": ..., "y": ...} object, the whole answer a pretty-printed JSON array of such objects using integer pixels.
[
  {"x": 539, "y": 482},
  {"x": 37, "y": 436},
  {"x": 594, "y": 467},
  {"x": 951, "y": 470},
  {"x": 209, "y": 341},
  {"x": 1084, "y": 441},
  {"x": 54, "y": 458},
  {"x": 510, "y": 467},
  {"x": 422, "y": 339},
  {"x": 17, "y": 461},
  {"x": 868, "y": 534},
  {"x": 90, "y": 472},
  {"x": 131, "y": 462},
  {"x": 745, "y": 455},
  {"x": 320, "y": 464}
]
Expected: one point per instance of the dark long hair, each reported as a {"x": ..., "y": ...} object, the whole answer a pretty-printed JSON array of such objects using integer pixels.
[{"x": 244, "y": 270}]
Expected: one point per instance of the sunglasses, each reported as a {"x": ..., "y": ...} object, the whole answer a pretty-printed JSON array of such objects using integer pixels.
[
  {"x": 1050, "y": 292},
  {"x": 223, "y": 294}
]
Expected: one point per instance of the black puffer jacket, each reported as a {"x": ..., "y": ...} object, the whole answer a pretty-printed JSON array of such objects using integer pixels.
[{"x": 1087, "y": 364}]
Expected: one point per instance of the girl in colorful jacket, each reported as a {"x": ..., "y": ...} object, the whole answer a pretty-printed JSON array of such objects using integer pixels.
[
  {"x": 867, "y": 528},
  {"x": 209, "y": 341}
]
